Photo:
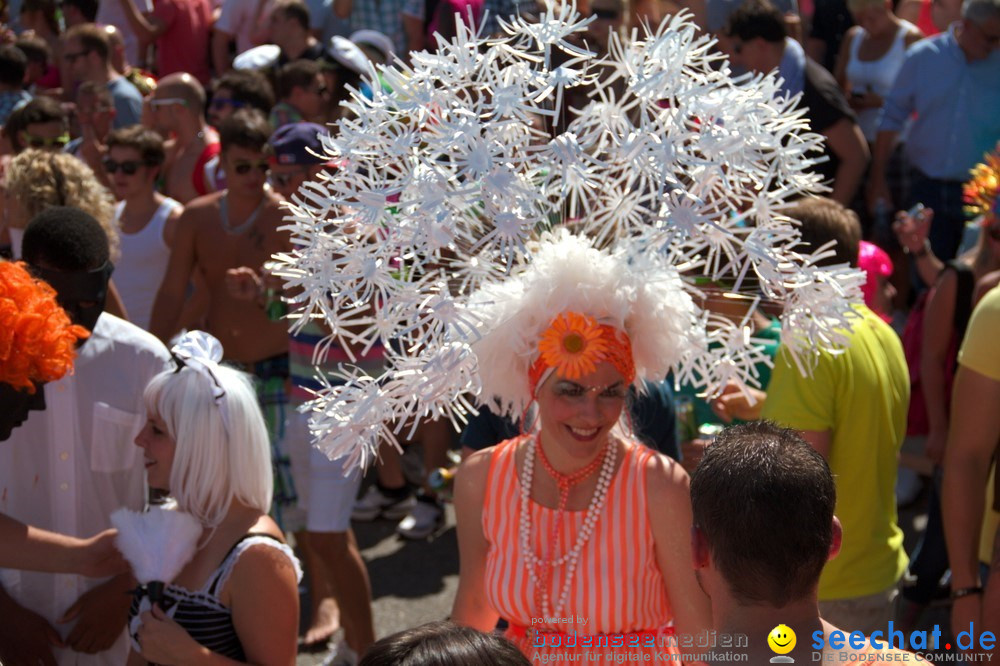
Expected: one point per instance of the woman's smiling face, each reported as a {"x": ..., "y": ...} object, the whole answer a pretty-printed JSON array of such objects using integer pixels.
[
  {"x": 578, "y": 414},
  {"x": 158, "y": 448}
]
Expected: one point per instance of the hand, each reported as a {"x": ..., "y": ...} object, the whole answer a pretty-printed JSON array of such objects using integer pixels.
[
  {"x": 243, "y": 283},
  {"x": 163, "y": 641},
  {"x": 912, "y": 232},
  {"x": 101, "y": 615},
  {"x": 934, "y": 445},
  {"x": 98, "y": 556},
  {"x": 25, "y": 636},
  {"x": 739, "y": 403}
]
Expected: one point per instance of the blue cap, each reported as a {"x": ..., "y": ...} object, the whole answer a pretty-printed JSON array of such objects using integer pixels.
[{"x": 298, "y": 143}]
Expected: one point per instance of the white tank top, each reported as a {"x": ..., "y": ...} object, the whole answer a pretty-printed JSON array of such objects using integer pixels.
[
  {"x": 876, "y": 76},
  {"x": 143, "y": 263}
]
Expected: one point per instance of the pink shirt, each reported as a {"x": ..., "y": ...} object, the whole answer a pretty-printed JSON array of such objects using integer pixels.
[{"x": 184, "y": 46}]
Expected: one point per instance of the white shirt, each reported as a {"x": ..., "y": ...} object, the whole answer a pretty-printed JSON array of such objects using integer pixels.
[
  {"x": 111, "y": 12},
  {"x": 237, "y": 19},
  {"x": 68, "y": 467},
  {"x": 143, "y": 263}
]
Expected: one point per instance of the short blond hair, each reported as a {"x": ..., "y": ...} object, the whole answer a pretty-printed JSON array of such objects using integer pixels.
[{"x": 39, "y": 179}]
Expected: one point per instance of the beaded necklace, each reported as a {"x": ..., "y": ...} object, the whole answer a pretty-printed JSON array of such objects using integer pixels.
[{"x": 540, "y": 569}]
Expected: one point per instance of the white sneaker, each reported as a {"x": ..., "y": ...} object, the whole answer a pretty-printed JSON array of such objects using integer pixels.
[
  {"x": 424, "y": 520},
  {"x": 374, "y": 504}
]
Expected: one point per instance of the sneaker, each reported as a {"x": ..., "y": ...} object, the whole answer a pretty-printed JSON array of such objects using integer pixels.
[
  {"x": 375, "y": 503},
  {"x": 424, "y": 520}
]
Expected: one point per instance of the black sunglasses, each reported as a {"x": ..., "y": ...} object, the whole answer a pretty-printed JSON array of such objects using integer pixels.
[
  {"x": 219, "y": 102},
  {"x": 243, "y": 168},
  {"x": 128, "y": 167}
]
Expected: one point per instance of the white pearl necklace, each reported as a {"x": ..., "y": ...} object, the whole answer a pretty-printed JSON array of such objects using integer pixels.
[{"x": 571, "y": 557}]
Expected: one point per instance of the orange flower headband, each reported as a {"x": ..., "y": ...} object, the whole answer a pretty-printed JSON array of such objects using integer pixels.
[
  {"x": 980, "y": 193},
  {"x": 37, "y": 339},
  {"x": 574, "y": 344}
]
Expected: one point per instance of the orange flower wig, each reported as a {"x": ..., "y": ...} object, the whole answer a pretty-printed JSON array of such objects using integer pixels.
[{"x": 37, "y": 338}]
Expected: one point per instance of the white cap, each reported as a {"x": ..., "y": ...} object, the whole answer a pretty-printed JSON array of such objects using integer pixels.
[
  {"x": 259, "y": 57},
  {"x": 376, "y": 39},
  {"x": 347, "y": 53}
]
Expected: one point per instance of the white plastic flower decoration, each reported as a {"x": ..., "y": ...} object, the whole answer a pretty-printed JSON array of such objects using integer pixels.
[{"x": 454, "y": 168}]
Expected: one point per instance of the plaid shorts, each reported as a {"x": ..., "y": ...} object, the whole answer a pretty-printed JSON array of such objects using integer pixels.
[{"x": 271, "y": 380}]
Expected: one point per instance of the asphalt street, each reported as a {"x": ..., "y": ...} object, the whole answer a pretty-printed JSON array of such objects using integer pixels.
[{"x": 413, "y": 582}]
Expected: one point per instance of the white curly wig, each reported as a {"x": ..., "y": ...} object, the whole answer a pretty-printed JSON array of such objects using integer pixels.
[{"x": 568, "y": 274}]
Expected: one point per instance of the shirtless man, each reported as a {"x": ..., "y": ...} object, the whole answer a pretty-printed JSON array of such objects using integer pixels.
[
  {"x": 178, "y": 107},
  {"x": 224, "y": 230}
]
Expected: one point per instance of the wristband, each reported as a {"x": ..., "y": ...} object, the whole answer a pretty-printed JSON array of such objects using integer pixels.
[{"x": 966, "y": 592}]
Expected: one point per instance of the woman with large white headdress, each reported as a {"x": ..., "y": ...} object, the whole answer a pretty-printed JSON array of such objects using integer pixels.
[
  {"x": 439, "y": 238},
  {"x": 575, "y": 531},
  {"x": 206, "y": 444}
]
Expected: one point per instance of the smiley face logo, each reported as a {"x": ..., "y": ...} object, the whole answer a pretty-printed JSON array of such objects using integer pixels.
[{"x": 781, "y": 640}]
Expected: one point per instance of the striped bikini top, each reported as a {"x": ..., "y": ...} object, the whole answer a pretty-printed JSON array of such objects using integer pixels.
[
  {"x": 202, "y": 613},
  {"x": 617, "y": 585}
]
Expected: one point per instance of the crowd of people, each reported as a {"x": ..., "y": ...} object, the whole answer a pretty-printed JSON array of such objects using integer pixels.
[{"x": 149, "y": 150}]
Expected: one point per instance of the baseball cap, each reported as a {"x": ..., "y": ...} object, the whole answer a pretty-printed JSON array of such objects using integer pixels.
[{"x": 298, "y": 143}]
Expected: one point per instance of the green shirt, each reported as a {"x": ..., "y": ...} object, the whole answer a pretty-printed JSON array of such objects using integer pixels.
[{"x": 861, "y": 396}]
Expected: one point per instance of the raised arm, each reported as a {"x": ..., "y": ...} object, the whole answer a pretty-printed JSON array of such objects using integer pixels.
[{"x": 146, "y": 28}]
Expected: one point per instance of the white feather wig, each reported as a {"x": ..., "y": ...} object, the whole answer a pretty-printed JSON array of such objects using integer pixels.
[{"x": 567, "y": 273}]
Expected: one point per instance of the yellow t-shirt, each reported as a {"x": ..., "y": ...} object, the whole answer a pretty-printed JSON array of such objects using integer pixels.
[
  {"x": 979, "y": 353},
  {"x": 861, "y": 396},
  {"x": 979, "y": 349}
]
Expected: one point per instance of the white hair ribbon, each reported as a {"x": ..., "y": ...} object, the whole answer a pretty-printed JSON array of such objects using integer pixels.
[{"x": 202, "y": 352}]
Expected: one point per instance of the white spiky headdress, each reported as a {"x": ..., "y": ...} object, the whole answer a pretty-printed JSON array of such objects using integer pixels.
[{"x": 424, "y": 240}]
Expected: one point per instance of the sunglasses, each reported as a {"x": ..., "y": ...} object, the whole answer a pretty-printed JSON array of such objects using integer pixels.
[
  {"x": 219, "y": 102},
  {"x": 128, "y": 167},
  {"x": 243, "y": 168},
  {"x": 167, "y": 101},
  {"x": 44, "y": 142}
]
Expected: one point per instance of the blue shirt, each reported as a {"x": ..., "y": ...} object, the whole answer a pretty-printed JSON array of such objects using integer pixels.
[
  {"x": 957, "y": 103},
  {"x": 127, "y": 101},
  {"x": 10, "y": 100}
]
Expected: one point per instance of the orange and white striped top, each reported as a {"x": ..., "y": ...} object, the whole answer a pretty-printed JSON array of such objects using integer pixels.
[{"x": 617, "y": 587}]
